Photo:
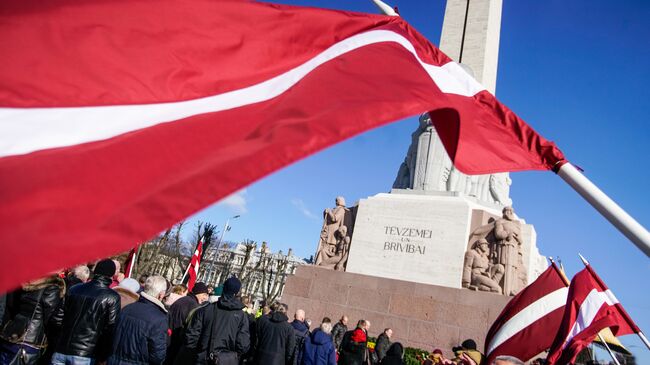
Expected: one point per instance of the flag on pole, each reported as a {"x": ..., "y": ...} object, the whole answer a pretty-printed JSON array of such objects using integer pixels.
[
  {"x": 110, "y": 97},
  {"x": 590, "y": 308},
  {"x": 195, "y": 263},
  {"x": 528, "y": 323},
  {"x": 130, "y": 262}
]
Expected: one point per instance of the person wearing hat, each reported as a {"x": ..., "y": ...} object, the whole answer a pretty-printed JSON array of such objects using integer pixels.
[
  {"x": 141, "y": 333},
  {"x": 129, "y": 290},
  {"x": 87, "y": 319},
  {"x": 219, "y": 330},
  {"x": 178, "y": 314}
]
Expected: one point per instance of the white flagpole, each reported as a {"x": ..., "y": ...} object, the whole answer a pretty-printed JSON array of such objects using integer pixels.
[
  {"x": 632, "y": 229},
  {"x": 602, "y": 340},
  {"x": 385, "y": 8}
]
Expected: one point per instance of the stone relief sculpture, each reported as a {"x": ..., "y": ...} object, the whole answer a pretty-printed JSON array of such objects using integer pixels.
[
  {"x": 499, "y": 242},
  {"x": 427, "y": 167},
  {"x": 334, "y": 243},
  {"x": 478, "y": 272}
]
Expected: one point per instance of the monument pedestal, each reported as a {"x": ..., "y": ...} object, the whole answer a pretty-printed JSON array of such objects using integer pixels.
[
  {"x": 421, "y": 315},
  {"x": 422, "y": 236}
]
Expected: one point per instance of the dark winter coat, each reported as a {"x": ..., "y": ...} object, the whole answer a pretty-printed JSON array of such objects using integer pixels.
[
  {"x": 301, "y": 332},
  {"x": 89, "y": 317},
  {"x": 29, "y": 311},
  {"x": 275, "y": 340},
  {"x": 394, "y": 355},
  {"x": 319, "y": 350},
  {"x": 141, "y": 333},
  {"x": 351, "y": 352},
  {"x": 338, "y": 331},
  {"x": 220, "y": 327},
  {"x": 178, "y": 313},
  {"x": 382, "y": 345}
]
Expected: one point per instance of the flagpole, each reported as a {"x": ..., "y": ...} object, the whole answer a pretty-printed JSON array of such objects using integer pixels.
[
  {"x": 632, "y": 229},
  {"x": 385, "y": 8},
  {"x": 600, "y": 337},
  {"x": 620, "y": 307}
]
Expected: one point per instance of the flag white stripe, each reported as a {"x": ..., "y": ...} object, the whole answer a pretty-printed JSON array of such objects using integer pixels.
[
  {"x": 588, "y": 311},
  {"x": 26, "y": 130},
  {"x": 527, "y": 316}
]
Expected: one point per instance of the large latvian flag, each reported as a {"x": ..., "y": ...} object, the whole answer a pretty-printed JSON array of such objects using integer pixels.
[
  {"x": 529, "y": 322},
  {"x": 590, "y": 308},
  {"x": 119, "y": 118}
]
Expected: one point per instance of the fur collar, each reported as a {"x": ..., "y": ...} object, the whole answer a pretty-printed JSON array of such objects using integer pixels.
[
  {"x": 42, "y": 283},
  {"x": 154, "y": 301}
]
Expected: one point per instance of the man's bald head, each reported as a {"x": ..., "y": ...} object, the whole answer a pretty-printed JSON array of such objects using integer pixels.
[{"x": 300, "y": 315}]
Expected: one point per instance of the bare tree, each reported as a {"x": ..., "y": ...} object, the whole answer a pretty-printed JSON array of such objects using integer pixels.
[
  {"x": 150, "y": 251},
  {"x": 273, "y": 278}
]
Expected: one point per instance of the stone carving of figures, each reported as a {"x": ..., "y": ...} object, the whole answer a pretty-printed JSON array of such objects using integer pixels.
[
  {"x": 504, "y": 240},
  {"x": 333, "y": 245},
  {"x": 427, "y": 167},
  {"x": 500, "y": 188},
  {"x": 507, "y": 232},
  {"x": 478, "y": 271},
  {"x": 342, "y": 247},
  {"x": 406, "y": 175}
]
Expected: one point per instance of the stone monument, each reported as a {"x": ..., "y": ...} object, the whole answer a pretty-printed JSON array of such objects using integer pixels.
[
  {"x": 427, "y": 229},
  {"x": 437, "y": 258}
]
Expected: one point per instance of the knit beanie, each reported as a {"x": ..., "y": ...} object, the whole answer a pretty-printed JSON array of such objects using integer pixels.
[
  {"x": 200, "y": 288},
  {"x": 231, "y": 286},
  {"x": 105, "y": 268}
]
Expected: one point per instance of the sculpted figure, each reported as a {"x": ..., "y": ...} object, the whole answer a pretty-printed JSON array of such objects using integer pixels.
[
  {"x": 507, "y": 232},
  {"x": 406, "y": 174},
  {"x": 428, "y": 167},
  {"x": 334, "y": 237},
  {"x": 342, "y": 247},
  {"x": 478, "y": 272}
]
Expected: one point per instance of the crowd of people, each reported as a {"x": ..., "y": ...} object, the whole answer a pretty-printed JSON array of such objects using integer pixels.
[{"x": 104, "y": 318}]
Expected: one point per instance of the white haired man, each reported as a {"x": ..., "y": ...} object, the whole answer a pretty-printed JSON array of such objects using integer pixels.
[{"x": 141, "y": 333}]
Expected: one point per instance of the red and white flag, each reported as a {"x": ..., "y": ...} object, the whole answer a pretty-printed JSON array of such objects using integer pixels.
[
  {"x": 590, "y": 308},
  {"x": 120, "y": 118},
  {"x": 528, "y": 323},
  {"x": 195, "y": 264},
  {"x": 130, "y": 262}
]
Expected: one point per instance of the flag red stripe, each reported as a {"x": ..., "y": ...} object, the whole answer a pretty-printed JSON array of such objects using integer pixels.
[
  {"x": 582, "y": 321},
  {"x": 157, "y": 51},
  {"x": 536, "y": 337},
  {"x": 90, "y": 200},
  {"x": 620, "y": 308},
  {"x": 532, "y": 340}
]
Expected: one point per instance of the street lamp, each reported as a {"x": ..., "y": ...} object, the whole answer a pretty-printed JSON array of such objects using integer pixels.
[{"x": 226, "y": 227}]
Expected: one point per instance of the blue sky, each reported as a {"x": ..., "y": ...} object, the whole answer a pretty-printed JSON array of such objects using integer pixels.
[{"x": 577, "y": 71}]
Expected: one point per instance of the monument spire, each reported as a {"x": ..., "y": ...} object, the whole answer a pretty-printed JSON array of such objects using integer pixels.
[{"x": 470, "y": 34}]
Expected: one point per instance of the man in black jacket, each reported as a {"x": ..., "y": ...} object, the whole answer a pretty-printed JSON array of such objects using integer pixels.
[
  {"x": 178, "y": 313},
  {"x": 383, "y": 343},
  {"x": 141, "y": 333},
  {"x": 219, "y": 329},
  {"x": 275, "y": 338},
  {"x": 301, "y": 333},
  {"x": 339, "y": 329},
  {"x": 88, "y": 319}
]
